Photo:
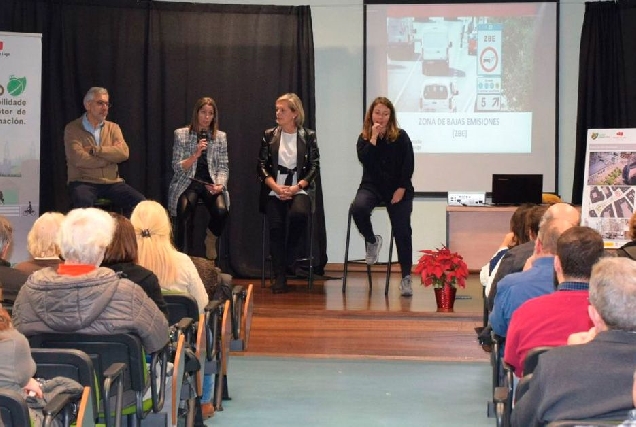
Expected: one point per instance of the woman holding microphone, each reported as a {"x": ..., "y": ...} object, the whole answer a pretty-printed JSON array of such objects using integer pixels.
[
  {"x": 386, "y": 154},
  {"x": 201, "y": 171}
]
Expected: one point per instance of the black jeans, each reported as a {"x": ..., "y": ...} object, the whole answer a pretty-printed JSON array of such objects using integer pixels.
[
  {"x": 400, "y": 216},
  {"x": 84, "y": 195},
  {"x": 186, "y": 208},
  {"x": 287, "y": 224}
]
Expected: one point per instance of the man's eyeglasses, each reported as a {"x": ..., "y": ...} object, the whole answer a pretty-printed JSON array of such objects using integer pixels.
[{"x": 103, "y": 104}]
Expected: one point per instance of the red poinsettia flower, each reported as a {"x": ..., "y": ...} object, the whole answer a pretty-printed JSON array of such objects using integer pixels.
[{"x": 442, "y": 267}]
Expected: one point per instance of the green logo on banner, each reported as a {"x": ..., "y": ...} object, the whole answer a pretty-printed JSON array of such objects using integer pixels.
[{"x": 16, "y": 86}]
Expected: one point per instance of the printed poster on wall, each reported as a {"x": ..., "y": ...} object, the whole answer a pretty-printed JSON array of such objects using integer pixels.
[
  {"x": 20, "y": 99},
  {"x": 609, "y": 191}
]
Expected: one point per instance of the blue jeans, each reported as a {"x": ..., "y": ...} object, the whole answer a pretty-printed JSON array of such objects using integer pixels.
[{"x": 208, "y": 388}]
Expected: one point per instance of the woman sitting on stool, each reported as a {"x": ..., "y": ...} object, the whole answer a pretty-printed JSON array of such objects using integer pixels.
[
  {"x": 201, "y": 171},
  {"x": 288, "y": 162},
  {"x": 386, "y": 154}
]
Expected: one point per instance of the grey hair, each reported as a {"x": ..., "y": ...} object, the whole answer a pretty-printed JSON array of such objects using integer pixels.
[
  {"x": 550, "y": 232},
  {"x": 84, "y": 235},
  {"x": 6, "y": 233},
  {"x": 92, "y": 92},
  {"x": 613, "y": 292},
  {"x": 42, "y": 238}
]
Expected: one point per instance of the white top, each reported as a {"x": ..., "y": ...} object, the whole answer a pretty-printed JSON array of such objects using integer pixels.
[
  {"x": 287, "y": 157},
  {"x": 188, "y": 281}
]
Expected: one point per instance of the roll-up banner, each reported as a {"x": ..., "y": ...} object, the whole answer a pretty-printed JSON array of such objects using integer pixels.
[{"x": 20, "y": 102}]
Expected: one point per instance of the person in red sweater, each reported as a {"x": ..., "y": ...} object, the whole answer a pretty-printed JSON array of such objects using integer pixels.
[{"x": 548, "y": 320}]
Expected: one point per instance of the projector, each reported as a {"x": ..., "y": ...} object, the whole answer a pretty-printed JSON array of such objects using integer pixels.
[{"x": 466, "y": 198}]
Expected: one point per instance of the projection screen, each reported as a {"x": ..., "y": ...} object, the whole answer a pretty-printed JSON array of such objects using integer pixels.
[{"x": 475, "y": 85}]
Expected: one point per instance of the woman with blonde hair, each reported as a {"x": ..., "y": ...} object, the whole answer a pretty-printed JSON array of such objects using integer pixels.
[
  {"x": 288, "y": 163},
  {"x": 175, "y": 270},
  {"x": 42, "y": 243}
]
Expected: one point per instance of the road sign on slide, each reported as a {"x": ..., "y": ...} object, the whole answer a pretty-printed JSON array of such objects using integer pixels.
[
  {"x": 489, "y": 49},
  {"x": 488, "y": 102}
]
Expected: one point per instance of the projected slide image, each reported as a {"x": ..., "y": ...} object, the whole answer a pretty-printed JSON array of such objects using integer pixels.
[
  {"x": 436, "y": 53},
  {"x": 612, "y": 168}
]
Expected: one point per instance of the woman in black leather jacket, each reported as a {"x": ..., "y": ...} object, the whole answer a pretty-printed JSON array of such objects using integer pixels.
[{"x": 288, "y": 163}]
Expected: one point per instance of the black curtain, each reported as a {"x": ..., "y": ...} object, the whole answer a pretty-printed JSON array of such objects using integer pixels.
[
  {"x": 607, "y": 99},
  {"x": 156, "y": 59}
]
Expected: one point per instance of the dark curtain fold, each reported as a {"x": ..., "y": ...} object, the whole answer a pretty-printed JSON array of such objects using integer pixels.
[
  {"x": 156, "y": 59},
  {"x": 604, "y": 98}
]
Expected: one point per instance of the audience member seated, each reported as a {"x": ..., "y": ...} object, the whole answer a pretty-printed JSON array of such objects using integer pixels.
[
  {"x": 515, "y": 259},
  {"x": 629, "y": 249},
  {"x": 519, "y": 252},
  {"x": 592, "y": 380},
  {"x": 212, "y": 278},
  {"x": 10, "y": 278},
  {"x": 517, "y": 288},
  {"x": 175, "y": 270},
  {"x": 81, "y": 297},
  {"x": 17, "y": 369},
  {"x": 121, "y": 257},
  {"x": 518, "y": 235},
  {"x": 42, "y": 243},
  {"x": 548, "y": 320}
]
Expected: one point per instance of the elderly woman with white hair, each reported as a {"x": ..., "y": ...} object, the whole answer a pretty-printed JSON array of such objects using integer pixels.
[
  {"x": 79, "y": 296},
  {"x": 42, "y": 243}
]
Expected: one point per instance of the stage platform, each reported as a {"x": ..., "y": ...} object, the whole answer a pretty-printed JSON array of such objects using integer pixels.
[{"x": 327, "y": 324}]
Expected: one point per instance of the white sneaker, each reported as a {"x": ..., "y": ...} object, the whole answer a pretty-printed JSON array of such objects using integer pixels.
[
  {"x": 406, "y": 290},
  {"x": 373, "y": 250}
]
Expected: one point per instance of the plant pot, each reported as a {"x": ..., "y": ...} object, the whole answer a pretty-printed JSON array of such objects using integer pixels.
[{"x": 445, "y": 298}]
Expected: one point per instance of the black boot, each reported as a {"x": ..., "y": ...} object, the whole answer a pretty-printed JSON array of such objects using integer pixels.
[{"x": 280, "y": 284}]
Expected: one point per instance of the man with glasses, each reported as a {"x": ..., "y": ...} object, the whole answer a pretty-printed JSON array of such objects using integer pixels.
[{"x": 94, "y": 147}]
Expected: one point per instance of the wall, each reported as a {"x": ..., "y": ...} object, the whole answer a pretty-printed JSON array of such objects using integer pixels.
[{"x": 338, "y": 41}]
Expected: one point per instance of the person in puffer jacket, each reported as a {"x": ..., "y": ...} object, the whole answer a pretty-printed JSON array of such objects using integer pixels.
[{"x": 80, "y": 297}]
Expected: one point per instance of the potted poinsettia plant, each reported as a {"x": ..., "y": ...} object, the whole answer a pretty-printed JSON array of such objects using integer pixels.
[{"x": 445, "y": 271}]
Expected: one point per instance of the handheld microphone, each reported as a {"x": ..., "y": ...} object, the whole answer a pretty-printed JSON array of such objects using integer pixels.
[{"x": 203, "y": 135}]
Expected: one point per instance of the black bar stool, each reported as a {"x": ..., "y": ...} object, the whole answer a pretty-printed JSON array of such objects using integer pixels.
[
  {"x": 309, "y": 259},
  {"x": 347, "y": 261}
]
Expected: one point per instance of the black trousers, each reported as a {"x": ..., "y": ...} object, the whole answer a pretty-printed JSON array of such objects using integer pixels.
[
  {"x": 287, "y": 225},
  {"x": 186, "y": 207},
  {"x": 400, "y": 216},
  {"x": 84, "y": 195}
]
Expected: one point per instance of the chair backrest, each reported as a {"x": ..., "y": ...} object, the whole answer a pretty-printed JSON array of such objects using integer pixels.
[
  {"x": 103, "y": 351},
  {"x": 13, "y": 409},
  {"x": 69, "y": 363},
  {"x": 532, "y": 358},
  {"x": 180, "y": 305}
]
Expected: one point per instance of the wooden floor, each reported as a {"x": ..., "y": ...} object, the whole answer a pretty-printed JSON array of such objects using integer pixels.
[{"x": 322, "y": 322}]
